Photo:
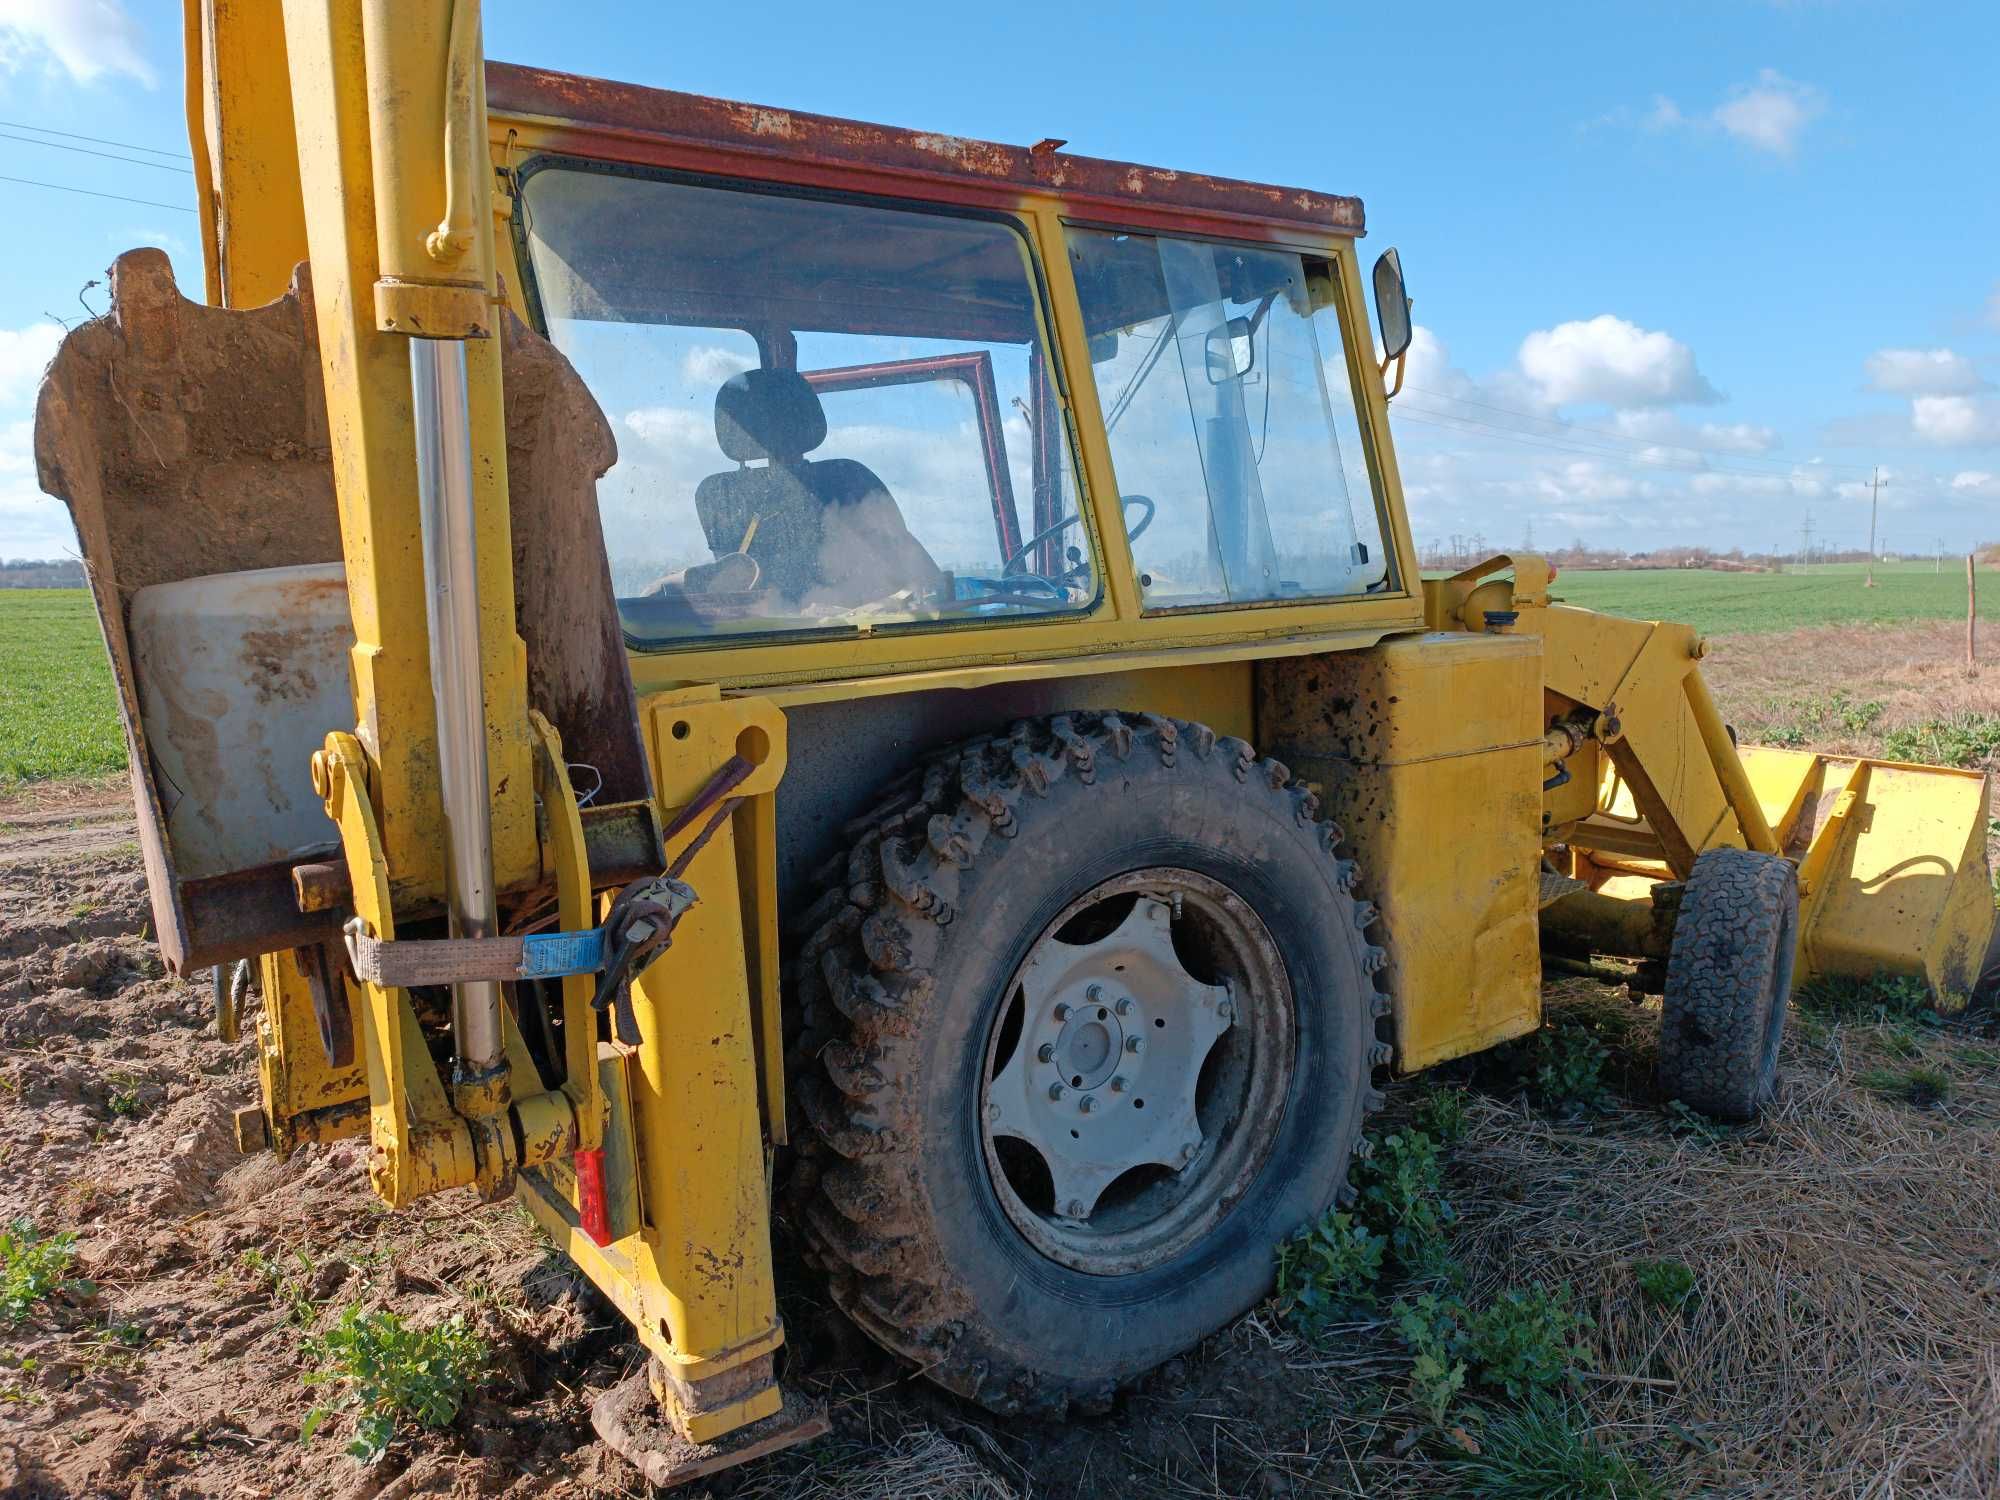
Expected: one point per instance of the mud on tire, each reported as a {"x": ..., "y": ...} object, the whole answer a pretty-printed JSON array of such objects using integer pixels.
[
  {"x": 910, "y": 964},
  {"x": 1729, "y": 977}
]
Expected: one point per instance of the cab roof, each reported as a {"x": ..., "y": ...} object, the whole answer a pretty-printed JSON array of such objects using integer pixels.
[{"x": 692, "y": 132}]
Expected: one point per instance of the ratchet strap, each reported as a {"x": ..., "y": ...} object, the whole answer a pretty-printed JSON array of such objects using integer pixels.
[{"x": 639, "y": 926}]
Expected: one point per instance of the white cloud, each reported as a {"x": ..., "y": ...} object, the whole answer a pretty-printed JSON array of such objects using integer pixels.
[
  {"x": 1976, "y": 484},
  {"x": 31, "y": 524},
  {"x": 86, "y": 39},
  {"x": 1664, "y": 115},
  {"x": 1769, "y": 114},
  {"x": 1956, "y": 421},
  {"x": 1923, "y": 372},
  {"x": 24, "y": 354},
  {"x": 1772, "y": 113},
  {"x": 1664, "y": 428},
  {"x": 1607, "y": 359},
  {"x": 672, "y": 428},
  {"x": 709, "y": 366}
]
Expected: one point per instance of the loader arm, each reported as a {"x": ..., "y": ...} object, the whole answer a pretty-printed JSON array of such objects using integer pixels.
[{"x": 1893, "y": 875}]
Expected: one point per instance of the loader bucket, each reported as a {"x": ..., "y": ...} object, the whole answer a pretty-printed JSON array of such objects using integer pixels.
[{"x": 1893, "y": 875}]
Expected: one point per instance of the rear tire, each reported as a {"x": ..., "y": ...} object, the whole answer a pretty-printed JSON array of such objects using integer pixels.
[
  {"x": 1729, "y": 978},
  {"x": 912, "y": 987}
]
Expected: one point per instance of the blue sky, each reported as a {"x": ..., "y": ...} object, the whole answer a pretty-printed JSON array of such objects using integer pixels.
[{"x": 1683, "y": 273}]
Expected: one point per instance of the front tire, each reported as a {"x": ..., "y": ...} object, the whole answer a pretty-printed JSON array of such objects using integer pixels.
[
  {"x": 1729, "y": 980},
  {"x": 1031, "y": 904}
]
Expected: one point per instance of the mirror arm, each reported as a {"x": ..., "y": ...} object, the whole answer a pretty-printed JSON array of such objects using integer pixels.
[
  {"x": 1399, "y": 362},
  {"x": 1401, "y": 359}
]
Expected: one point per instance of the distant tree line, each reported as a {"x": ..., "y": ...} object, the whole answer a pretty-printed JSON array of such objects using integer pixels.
[
  {"x": 34, "y": 573},
  {"x": 1455, "y": 552}
]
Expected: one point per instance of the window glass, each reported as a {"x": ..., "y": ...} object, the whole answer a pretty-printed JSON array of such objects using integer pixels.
[
  {"x": 830, "y": 416},
  {"x": 1219, "y": 400}
]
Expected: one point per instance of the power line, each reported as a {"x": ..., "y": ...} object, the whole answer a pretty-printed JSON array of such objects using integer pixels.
[
  {"x": 1601, "y": 440},
  {"x": 1636, "y": 442},
  {"x": 1655, "y": 456},
  {"x": 130, "y": 161},
  {"x": 93, "y": 139},
  {"x": 179, "y": 208}
]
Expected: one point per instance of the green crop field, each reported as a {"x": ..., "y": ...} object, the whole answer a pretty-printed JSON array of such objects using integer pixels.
[
  {"x": 58, "y": 709},
  {"x": 1732, "y": 603}
]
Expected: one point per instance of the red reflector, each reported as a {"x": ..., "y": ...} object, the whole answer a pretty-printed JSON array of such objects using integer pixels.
[{"x": 590, "y": 1196}]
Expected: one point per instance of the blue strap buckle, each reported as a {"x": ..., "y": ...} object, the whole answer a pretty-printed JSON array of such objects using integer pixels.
[{"x": 552, "y": 955}]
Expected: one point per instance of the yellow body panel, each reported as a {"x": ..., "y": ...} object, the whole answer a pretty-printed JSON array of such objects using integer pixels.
[{"x": 1428, "y": 752}]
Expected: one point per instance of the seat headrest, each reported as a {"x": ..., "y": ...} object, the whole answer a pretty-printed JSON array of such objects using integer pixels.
[{"x": 768, "y": 414}]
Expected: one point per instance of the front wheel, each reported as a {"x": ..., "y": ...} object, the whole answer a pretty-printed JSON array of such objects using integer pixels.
[
  {"x": 1099, "y": 1028},
  {"x": 1729, "y": 979}
]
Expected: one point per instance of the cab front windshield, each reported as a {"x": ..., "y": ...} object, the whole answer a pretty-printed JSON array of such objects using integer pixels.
[
  {"x": 1221, "y": 373},
  {"x": 830, "y": 415}
]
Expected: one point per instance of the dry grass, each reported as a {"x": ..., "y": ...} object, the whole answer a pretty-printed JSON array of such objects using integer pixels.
[
  {"x": 1848, "y": 1316},
  {"x": 919, "y": 1464},
  {"x": 1844, "y": 1337},
  {"x": 1887, "y": 678}
]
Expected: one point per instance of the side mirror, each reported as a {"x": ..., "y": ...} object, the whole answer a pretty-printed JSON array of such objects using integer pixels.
[
  {"x": 1231, "y": 350},
  {"x": 1392, "y": 306}
]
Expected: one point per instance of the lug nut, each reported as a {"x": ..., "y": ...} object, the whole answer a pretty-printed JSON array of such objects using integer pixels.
[
  {"x": 993, "y": 1113},
  {"x": 1046, "y": 1052},
  {"x": 1135, "y": 1043},
  {"x": 1062, "y": 1012},
  {"x": 1226, "y": 1011},
  {"x": 1073, "y": 1209},
  {"x": 1094, "y": 994},
  {"x": 1190, "y": 1151},
  {"x": 1124, "y": 1005},
  {"x": 1118, "y": 1084},
  {"x": 1056, "y": 1091},
  {"x": 1088, "y": 1103}
]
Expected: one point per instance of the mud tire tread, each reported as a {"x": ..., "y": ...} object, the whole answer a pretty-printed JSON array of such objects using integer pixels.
[
  {"x": 1722, "y": 1013},
  {"x": 857, "y": 1201}
]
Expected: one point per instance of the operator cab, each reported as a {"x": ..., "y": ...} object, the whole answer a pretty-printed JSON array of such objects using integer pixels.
[{"x": 842, "y": 404}]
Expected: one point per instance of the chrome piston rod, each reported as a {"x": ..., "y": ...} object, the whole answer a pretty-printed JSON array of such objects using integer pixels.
[{"x": 445, "y": 505}]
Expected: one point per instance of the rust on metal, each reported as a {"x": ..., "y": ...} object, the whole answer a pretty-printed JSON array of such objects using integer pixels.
[
  {"x": 321, "y": 885},
  {"x": 630, "y": 1422},
  {"x": 238, "y": 915},
  {"x": 660, "y": 127}
]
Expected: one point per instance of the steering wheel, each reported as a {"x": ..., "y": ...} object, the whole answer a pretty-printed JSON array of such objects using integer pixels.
[{"x": 1132, "y": 533}]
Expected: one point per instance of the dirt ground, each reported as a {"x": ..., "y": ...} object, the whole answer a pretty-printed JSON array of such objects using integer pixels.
[{"x": 1846, "y": 1339}]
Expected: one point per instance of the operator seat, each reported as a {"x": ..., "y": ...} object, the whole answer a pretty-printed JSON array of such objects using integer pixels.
[{"x": 825, "y": 532}]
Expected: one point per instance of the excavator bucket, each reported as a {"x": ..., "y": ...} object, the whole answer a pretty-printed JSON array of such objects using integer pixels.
[{"x": 1893, "y": 875}]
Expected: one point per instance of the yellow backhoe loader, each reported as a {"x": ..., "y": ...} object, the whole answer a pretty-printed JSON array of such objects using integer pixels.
[{"x": 678, "y": 646}]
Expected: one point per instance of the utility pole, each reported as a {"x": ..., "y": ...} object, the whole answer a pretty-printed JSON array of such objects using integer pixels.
[
  {"x": 1940, "y": 554},
  {"x": 1874, "y": 499},
  {"x": 1805, "y": 545}
]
